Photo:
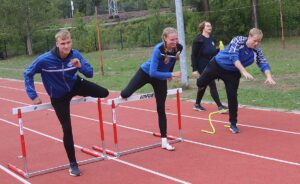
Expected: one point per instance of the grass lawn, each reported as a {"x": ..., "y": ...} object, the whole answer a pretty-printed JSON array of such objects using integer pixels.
[{"x": 120, "y": 66}]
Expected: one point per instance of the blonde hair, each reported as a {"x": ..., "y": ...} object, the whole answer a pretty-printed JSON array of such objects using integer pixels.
[
  {"x": 62, "y": 34},
  {"x": 202, "y": 25},
  {"x": 165, "y": 33},
  {"x": 255, "y": 31}
]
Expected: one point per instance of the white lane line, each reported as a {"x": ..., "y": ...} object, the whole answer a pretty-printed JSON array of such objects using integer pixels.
[
  {"x": 117, "y": 160},
  {"x": 218, "y": 121},
  {"x": 14, "y": 175},
  {"x": 203, "y": 144},
  {"x": 155, "y": 173},
  {"x": 17, "y": 89},
  {"x": 194, "y": 142},
  {"x": 191, "y": 141},
  {"x": 243, "y": 153},
  {"x": 186, "y": 116},
  {"x": 240, "y": 105},
  {"x": 14, "y": 101},
  {"x": 17, "y": 80},
  {"x": 185, "y": 140}
]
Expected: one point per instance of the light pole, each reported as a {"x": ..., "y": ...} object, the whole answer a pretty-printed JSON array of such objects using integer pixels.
[
  {"x": 180, "y": 28},
  {"x": 72, "y": 9}
]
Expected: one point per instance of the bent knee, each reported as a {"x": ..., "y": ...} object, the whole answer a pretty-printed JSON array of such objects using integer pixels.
[
  {"x": 200, "y": 84},
  {"x": 125, "y": 94},
  {"x": 105, "y": 93}
]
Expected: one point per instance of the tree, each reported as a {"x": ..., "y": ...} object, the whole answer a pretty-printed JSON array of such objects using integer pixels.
[
  {"x": 87, "y": 7},
  {"x": 200, "y": 5},
  {"x": 254, "y": 13},
  {"x": 206, "y": 7},
  {"x": 230, "y": 17},
  {"x": 22, "y": 17}
]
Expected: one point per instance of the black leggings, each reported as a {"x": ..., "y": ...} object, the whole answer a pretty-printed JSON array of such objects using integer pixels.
[
  {"x": 213, "y": 91},
  {"x": 62, "y": 110},
  {"x": 160, "y": 90},
  {"x": 231, "y": 79}
]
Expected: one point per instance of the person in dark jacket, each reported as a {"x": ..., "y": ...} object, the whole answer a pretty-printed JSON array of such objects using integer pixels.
[
  {"x": 230, "y": 63},
  {"x": 156, "y": 71},
  {"x": 58, "y": 69},
  {"x": 203, "y": 50}
]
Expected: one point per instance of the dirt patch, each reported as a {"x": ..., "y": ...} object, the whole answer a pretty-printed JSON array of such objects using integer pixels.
[{"x": 123, "y": 16}]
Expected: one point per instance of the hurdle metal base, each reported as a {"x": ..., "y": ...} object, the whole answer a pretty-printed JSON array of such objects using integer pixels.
[
  {"x": 139, "y": 149},
  {"x": 107, "y": 151},
  {"x": 169, "y": 137},
  {"x": 116, "y": 101},
  {"x": 31, "y": 108},
  {"x": 50, "y": 170},
  {"x": 93, "y": 153},
  {"x": 134, "y": 150}
]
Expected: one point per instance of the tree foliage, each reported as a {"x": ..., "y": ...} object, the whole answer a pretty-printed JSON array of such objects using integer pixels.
[
  {"x": 33, "y": 21},
  {"x": 21, "y": 18}
]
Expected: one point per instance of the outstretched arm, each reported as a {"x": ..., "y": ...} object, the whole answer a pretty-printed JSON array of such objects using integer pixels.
[
  {"x": 243, "y": 70},
  {"x": 269, "y": 78}
]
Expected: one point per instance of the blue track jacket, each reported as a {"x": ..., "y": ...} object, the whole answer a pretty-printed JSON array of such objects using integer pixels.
[
  {"x": 238, "y": 50},
  {"x": 155, "y": 66},
  {"x": 59, "y": 76}
]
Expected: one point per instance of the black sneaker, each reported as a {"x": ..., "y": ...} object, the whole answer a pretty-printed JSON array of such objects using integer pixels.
[
  {"x": 223, "y": 109},
  {"x": 74, "y": 170},
  {"x": 234, "y": 129},
  {"x": 198, "y": 107}
]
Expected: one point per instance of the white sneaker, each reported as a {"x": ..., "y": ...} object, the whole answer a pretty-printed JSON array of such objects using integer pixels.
[{"x": 166, "y": 145}]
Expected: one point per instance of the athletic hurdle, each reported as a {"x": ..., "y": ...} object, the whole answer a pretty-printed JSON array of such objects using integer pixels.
[
  {"x": 117, "y": 101},
  {"x": 32, "y": 108}
]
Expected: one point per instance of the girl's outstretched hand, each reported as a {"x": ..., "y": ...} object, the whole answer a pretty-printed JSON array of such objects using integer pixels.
[{"x": 176, "y": 74}]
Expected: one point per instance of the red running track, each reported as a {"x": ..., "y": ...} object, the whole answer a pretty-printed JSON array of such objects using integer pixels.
[{"x": 266, "y": 151}]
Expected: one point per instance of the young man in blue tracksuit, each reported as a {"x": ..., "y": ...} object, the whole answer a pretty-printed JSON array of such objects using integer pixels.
[
  {"x": 156, "y": 71},
  {"x": 58, "y": 69},
  {"x": 230, "y": 63}
]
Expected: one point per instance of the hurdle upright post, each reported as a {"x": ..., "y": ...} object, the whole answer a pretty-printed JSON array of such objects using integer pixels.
[
  {"x": 22, "y": 141},
  {"x": 46, "y": 106},
  {"x": 179, "y": 114},
  {"x": 114, "y": 117},
  {"x": 117, "y": 101},
  {"x": 23, "y": 149},
  {"x": 101, "y": 126}
]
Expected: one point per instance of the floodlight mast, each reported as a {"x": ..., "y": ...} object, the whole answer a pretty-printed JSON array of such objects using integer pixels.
[
  {"x": 180, "y": 28},
  {"x": 113, "y": 9},
  {"x": 72, "y": 9}
]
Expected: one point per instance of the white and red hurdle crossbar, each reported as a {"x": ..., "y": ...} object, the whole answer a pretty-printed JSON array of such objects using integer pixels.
[
  {"x": 116, "y": 101},
  {"x": 32, "y": 108}
]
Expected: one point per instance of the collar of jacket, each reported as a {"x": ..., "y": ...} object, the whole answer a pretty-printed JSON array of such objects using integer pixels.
[{"x": 55, "y": 51}]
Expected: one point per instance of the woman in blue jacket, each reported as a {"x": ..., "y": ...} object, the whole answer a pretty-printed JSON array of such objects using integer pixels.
[
  {"x": 58, "y": 69},
  {"x": 230, "y": 63},
  {"x": 156, "y": 71}
]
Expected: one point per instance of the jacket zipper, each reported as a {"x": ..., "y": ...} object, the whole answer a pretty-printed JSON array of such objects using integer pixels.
[{"x": 63, "y": 72}]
